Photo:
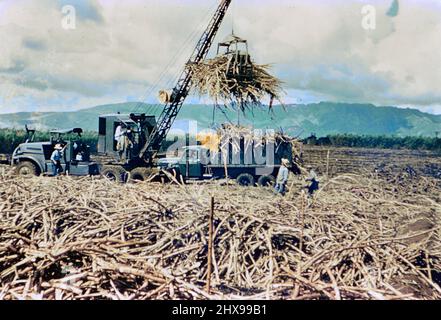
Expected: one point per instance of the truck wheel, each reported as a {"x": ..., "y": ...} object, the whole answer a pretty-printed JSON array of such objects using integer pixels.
[
  {"x": 245, "y": 179},
  {"x": 142, "y": 174},
  {"x": 27, "y": 169},
  {"x": 266, "y": 181},
  {"x": 114, "y": 173}
]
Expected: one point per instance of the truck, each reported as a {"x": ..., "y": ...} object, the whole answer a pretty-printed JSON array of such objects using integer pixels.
[
  {"x": 249, "y": 163},
  {"x": 34, "y": 158}
]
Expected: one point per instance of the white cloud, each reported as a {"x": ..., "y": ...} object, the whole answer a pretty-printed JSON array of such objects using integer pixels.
[
  {"x": 120, "y": 49},
  {"x": 320, "y": 46}
]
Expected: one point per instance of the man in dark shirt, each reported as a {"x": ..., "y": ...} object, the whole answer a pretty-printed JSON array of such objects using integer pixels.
[{"x": 313, "y": 178}]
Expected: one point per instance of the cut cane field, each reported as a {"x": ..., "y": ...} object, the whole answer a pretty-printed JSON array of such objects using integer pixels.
[{"x": 371, "y": 232}]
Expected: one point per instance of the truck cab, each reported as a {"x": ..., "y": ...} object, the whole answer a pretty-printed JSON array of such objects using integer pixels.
[
  {"x": 189, "y": 164},
  {"x": 34, "y": 158}
]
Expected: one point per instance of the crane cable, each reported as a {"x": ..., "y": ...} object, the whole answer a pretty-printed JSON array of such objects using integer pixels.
[
  {"x": 190, "y": 41},
  {"x": 158, "y": 82},
  {"x": 184, "y": 47},
  {"x": 164, "y": 72}
]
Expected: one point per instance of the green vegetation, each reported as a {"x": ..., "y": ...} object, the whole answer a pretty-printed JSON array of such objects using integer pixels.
[
  {"x": 383, "y": 141},
  {"x": 10, "y": 139}
]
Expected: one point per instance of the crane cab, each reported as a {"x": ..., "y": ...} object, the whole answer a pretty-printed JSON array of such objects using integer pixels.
[{"x": 135, "y": 129}]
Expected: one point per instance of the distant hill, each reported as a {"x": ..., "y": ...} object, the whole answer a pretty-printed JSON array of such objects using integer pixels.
[{"x": 322, "y": 118}]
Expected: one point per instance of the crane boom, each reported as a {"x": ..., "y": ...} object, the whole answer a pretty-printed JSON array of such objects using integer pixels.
[{"x": 182, "y": 88}]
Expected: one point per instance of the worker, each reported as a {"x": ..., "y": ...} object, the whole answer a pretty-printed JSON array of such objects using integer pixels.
[
  {"x": 282, "y": 177},
  {"x": 77, "y": 150},
  {"x": 80, "y": 156},
  {"x": 56, "y": 157},
  {"x": 129, "y": 142},
  {"x": 120, "y": 138},
  {"x": 313, "y": 178},
  {"x": 119, "y": 133}
]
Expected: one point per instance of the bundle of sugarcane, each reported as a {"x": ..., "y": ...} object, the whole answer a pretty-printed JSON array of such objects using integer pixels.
[{"x": 226, "y": 82}]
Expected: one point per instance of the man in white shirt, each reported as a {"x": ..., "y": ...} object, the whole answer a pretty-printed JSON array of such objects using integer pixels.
[
  {"x": 282, "y": 177},
  {"x": 118, "y": 132},
  {"x": 119, "y": 137}
]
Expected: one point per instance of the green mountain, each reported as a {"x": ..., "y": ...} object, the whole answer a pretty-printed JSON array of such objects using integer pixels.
[{"x": 302, "y": 120}]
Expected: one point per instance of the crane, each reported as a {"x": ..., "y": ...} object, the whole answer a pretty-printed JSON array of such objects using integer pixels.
[{"x": 182, "y": 88}]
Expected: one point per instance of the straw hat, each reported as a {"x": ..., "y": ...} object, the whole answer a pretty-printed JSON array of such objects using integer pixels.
[{"x": 285, "y": 162}]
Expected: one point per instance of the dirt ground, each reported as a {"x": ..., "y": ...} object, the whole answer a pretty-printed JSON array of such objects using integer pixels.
[{"x": 336, "y": 161}]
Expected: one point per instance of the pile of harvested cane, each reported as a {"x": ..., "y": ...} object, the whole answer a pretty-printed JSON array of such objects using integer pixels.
[
  {"x": 89, "y": 238},
  {"x": 222, "y": 80}
]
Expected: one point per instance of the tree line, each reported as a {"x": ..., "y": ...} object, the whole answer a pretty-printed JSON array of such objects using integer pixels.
[
  {"x": 382, "y": 142},
  {"x": 10, "y": 139}
]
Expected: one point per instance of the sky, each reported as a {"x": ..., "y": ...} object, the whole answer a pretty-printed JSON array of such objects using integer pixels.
[{"x": 121, "y": 51}]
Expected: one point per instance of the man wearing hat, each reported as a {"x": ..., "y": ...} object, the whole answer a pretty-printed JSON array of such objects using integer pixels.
[
  {"x": 56, "y": 157},
  {"x": 282, "y": 177}
]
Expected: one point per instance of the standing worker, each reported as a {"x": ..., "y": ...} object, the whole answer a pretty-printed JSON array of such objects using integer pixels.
[
  {"x": 120, "y": 136},
  {"x": 313, "y": 178},
  {"x": 56, "y": 157},
  {"x": 282, "y": 178}
]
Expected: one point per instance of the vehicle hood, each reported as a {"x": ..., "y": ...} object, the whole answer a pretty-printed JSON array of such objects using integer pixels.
[{"x": 166, "y": 162}]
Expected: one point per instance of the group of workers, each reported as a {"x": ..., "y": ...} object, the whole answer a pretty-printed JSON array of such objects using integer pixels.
[
  {"x": 283, "y": 175},
  {"x": 121, "y": 137}
]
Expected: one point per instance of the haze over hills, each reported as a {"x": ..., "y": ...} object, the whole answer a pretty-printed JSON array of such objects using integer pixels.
[{"x": 322, "y": 119}]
